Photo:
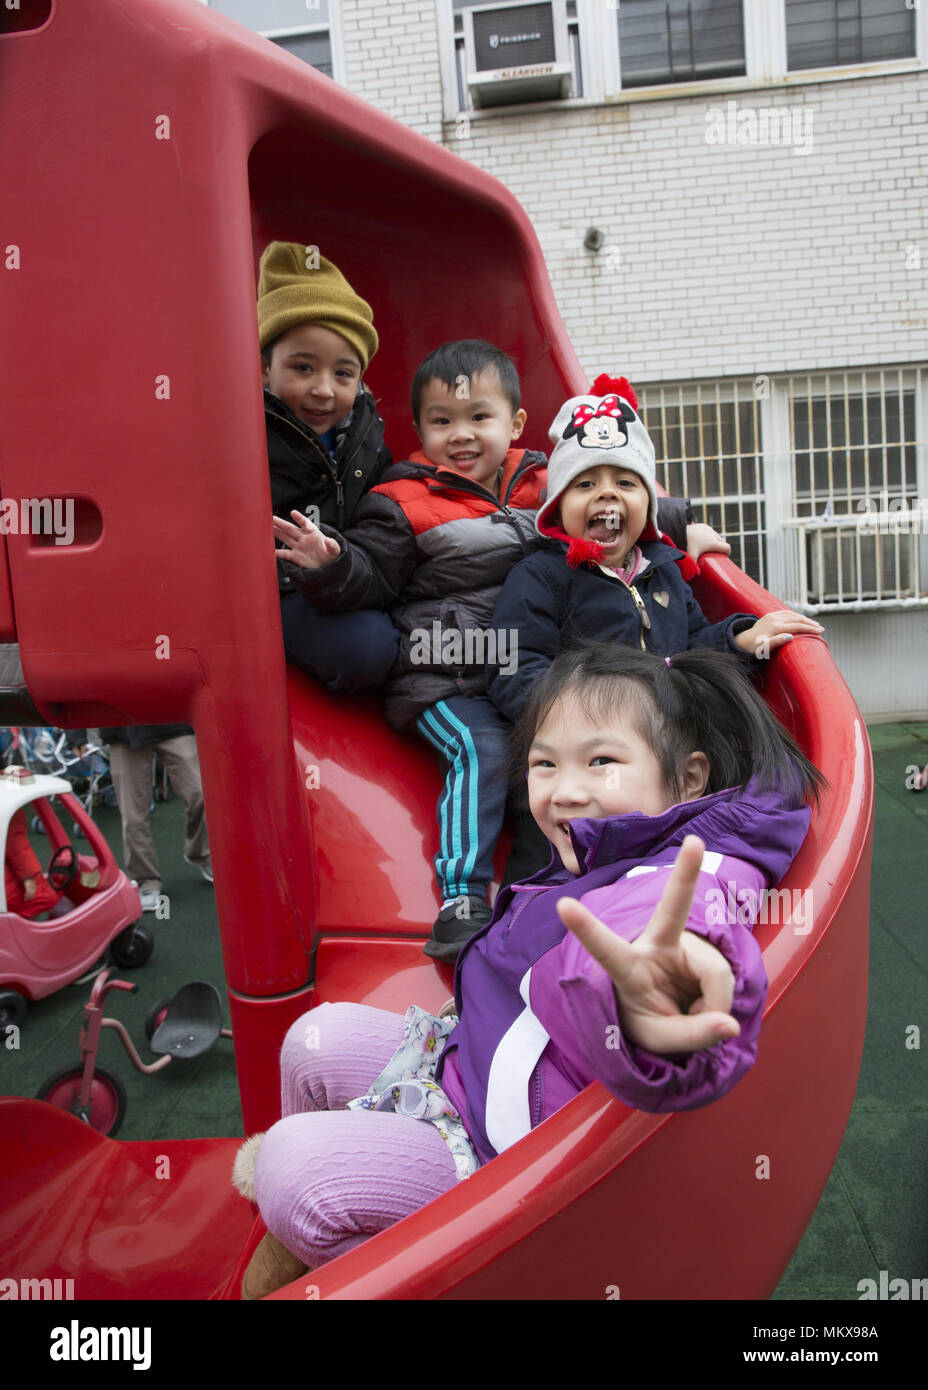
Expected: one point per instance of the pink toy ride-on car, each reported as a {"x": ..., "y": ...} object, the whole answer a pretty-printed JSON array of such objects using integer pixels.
[{"x": 39, "y": 957}]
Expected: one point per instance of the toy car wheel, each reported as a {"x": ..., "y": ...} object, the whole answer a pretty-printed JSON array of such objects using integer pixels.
[
  {"x": 78, "y": 831},
  {"x": 13, "y": 1008},
  {"x": 132, "y": 947},
  {"x": 155, "y": 1017},
  {"x": 107, "y": 1097},
  {"x": 38, "y": 825}
]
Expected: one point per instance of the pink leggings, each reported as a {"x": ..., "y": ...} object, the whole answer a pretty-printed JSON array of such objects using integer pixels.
[{"x": 327, "y": 1178}]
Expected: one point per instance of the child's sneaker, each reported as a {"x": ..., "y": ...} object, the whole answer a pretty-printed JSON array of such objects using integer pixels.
[
  {"x": 206, "y": 868},
  {"x": 149, "y": 897},
  {"x": 455, "y": 925}
]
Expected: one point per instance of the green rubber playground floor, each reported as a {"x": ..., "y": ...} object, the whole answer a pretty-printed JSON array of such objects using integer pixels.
[{"x": 873, "y": 1214}]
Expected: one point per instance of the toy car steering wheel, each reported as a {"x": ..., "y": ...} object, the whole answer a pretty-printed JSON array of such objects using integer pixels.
[{"x": 62, "y": 867}]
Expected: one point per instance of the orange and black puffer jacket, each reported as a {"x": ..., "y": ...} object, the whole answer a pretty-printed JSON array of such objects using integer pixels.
[{"x": 434, "y": 549}]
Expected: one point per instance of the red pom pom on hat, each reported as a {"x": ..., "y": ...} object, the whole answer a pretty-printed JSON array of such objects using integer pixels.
[
  {"x": 583, "y": 552},
  {"x": 619, "y": 385}
]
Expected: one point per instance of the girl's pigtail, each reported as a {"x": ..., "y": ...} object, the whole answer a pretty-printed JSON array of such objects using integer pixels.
[
  {"x": 742, "y": 739},
  {"x": 698, "y": 700}
]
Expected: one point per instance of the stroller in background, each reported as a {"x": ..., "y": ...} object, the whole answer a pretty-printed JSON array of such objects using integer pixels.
[{"x": 46, "y": 750}]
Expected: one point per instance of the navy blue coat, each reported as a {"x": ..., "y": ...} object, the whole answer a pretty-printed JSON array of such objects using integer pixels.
[{"x": 553, "y": 607}]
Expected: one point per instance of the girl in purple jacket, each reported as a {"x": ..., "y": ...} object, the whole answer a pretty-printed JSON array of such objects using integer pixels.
[{"x": 672, "y": 800}]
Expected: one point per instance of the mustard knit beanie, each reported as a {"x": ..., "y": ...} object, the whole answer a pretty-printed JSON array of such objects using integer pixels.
[{"x": 297, "y": 285}]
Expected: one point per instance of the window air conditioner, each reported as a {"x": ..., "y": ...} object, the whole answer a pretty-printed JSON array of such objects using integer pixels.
[
  {"x": 517, "y": 53},
  {"x": 879, "y": 557}
]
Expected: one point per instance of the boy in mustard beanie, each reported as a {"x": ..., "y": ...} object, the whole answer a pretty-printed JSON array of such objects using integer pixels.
[{"x": 325, "y": 446}]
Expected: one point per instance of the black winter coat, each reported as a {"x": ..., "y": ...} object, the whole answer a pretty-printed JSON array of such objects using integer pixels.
[
  {"x": 426, "y": 547},
  {"x": 553, "y": 607},
  {"x": 304, "y": 475}
]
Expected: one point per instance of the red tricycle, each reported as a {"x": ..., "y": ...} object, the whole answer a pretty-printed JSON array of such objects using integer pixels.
[
  {"x": 101, "y": 908},
  {"x": 184, "y": 1026}
]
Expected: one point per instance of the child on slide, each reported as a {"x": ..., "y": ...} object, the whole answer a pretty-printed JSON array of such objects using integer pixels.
[
  {"x": 666, "y": 789},
  {"x": 603, "y": 573},
  {"x": 325, "y": 446},
  {"x": 433, "y": 541}
]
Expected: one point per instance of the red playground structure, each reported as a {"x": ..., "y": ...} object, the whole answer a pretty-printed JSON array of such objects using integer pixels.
[{"x": 134, "y": 218}]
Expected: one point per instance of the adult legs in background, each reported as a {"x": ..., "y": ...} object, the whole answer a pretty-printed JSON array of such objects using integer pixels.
[
  {"x": 130, "y": 769},
  {"x": 182, "y": 761}
]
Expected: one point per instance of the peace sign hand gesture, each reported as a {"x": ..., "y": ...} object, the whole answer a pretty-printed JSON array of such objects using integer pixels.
[{"x": 673, "y": 988}]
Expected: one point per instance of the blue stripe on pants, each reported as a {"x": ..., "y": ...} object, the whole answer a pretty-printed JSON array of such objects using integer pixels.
[{"x": 473, "y": 739}]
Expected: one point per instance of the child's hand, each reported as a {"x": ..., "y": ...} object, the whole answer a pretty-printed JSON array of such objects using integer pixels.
[
  {"x": 774, "y": 629},
  {"x": 701, "y": 539},
  {"x": 29, "y": 888},
  {"x": 304, "y": 544},
  {"x": 673, "y": 988}
]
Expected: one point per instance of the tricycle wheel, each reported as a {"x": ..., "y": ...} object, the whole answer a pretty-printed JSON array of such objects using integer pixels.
[
  {"x": 132, "y": 946},
  {"x": 107, "y": 1097},
  {"x": 155, "y": 1017},
  {"x": 12, "y": 1008}
]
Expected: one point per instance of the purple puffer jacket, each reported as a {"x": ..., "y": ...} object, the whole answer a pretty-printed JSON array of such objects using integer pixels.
[{"x": 538, "y": 1013}]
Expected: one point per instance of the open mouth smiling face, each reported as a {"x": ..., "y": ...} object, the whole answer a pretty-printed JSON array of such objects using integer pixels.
[
  {"x": 608, "y": 505},
  {"x": 581, "y": 768}
]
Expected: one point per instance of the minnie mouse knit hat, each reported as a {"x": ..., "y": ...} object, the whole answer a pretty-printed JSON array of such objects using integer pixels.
[
  {"x": 296, "y": 285},
  {"x": 603, "y": 427}
]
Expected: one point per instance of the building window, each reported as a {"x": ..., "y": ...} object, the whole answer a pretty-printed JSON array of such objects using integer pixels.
[
  {"x": 707, "y": 442},
  {"x": 302, "y": 27},
  {"x": 680, "y": 41},
  {"x": 833, "y": 516},
  {"x": 837, "y": 33},
  {"x": 315, "y": 49},
  {"x": 855, "y": 488},
  {"x": 602, "y": 48}
]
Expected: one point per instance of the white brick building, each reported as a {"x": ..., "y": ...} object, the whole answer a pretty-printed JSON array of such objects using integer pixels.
[{"x": 733, "y": 207}]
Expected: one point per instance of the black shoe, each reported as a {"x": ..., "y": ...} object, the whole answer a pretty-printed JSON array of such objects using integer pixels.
[{"x": 455, "y": 925}]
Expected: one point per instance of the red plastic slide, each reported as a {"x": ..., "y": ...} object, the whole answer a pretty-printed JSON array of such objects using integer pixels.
[{"x": 149, "y": 152}]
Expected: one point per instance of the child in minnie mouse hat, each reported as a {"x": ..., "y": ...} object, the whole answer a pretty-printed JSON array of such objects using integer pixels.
[
  {"x": 606, "y": 575},
  {"x": 590, "y": 433}
]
